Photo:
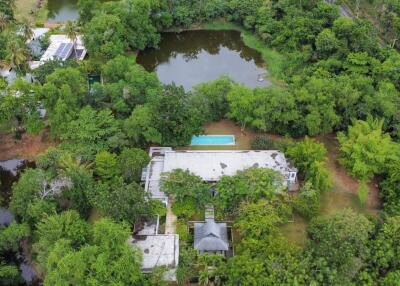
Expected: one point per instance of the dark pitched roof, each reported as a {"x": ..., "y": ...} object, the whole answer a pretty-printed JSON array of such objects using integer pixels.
[{"x": 211, "y": 236}]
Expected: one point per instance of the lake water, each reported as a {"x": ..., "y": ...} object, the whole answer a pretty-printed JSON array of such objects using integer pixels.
[
  {"x": 192, "y": 57},
  {"x": 62, "y": 10}
]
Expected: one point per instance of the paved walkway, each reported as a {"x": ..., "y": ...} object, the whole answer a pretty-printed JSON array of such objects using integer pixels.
[{"x": 170, "y": 221}]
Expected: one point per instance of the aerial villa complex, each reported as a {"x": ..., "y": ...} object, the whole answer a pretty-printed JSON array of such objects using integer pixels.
[
  {"x": 209, "y": 236},
  {"x": 211, "y": 165}
]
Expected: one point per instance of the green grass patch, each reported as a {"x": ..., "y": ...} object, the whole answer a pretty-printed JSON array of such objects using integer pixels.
[
  {"x": 24, "y": 9},
  {"x": 41, "y": 15},
  {"x": 131, "y": 56},
  {"x": 27, "y": 9},
  {"x": 274, "y": 61}
]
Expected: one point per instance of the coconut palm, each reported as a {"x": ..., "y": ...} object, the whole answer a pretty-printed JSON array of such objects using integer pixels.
[
  {"x": 71, "y": 29},
  {"x": 12, "y": 4},
  {"x": 3, "y": 21},
  {"x": 17, "y": 54},
  {"x": 26, "y": 29}
]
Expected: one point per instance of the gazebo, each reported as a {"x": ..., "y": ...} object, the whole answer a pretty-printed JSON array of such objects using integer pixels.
[{"x": 211, "y": 237}]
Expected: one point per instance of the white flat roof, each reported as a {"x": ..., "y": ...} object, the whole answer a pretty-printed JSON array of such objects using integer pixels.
[
  {"x": 155, "y": 169},
  {"x": 158, "y": 250},
  {"x": 39, "y": 32},
  {"x": 212, "y": 165}
]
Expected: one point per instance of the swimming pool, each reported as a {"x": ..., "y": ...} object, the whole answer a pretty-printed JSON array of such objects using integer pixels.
[{"x": 213, "y": 140}]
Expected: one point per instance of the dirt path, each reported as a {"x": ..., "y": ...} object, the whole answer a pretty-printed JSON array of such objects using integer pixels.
[
  {"x": 342, "y": 181},
  {"x": 27, "y": 148},
  {"x": 170, "y": 220}
]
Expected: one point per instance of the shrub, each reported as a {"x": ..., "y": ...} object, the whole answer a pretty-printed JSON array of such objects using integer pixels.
[
  {"x": 263, "y": 142},
  {"x": 307, "y": 202},
  {"x": 363, "y": 192},
  {"x": 158, "y": 208},
  {"x": 184, "y": 209},
  {"x": 182, "y": 231}
]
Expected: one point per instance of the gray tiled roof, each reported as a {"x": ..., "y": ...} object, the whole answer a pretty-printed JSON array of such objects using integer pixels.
[{"x": 211, "y": 236}]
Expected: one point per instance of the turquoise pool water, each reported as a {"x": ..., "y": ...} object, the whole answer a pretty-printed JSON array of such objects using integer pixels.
[{"x": 213, "y": 140}]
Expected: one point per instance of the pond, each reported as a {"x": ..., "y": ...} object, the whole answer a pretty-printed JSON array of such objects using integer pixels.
[
  {"x": 192, "y": 57},
  {"x": 62, "y": 10}
]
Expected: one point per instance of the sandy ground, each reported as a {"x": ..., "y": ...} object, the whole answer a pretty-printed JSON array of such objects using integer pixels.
[{"x": 26, "y": 148}]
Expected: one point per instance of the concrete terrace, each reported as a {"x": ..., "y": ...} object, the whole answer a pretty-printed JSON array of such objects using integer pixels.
[{"x": 159, "y": 250}]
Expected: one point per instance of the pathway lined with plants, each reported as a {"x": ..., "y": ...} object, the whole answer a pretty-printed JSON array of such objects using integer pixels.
[{"x": 170, "y": 220}]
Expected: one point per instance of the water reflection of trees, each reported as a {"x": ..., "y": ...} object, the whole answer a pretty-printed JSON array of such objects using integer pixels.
[{"x": 190, "y": 44}]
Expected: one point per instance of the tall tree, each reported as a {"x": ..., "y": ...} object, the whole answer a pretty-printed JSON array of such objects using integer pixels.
[
  {"x": 104, "y": 36},
  {"x": 71, "y": 30},
  {"x": 338, "y": 247},
  {"x": 17, "y": 54},
  {"x": 26, "y": 29},
  {"x": 366, "y": 149},
  {"x": 241, "y": 105},
  {"x": 106, "y": 259}
]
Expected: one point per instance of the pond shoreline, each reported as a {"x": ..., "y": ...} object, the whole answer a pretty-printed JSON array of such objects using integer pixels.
[
  {"x": 273, "y": 60},
  {"x": 192, "y": 57}
]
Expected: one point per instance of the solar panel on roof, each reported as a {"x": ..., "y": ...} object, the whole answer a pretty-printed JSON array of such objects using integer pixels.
[
  {"x": 59, "y": 50},
  {"x": 66, "y": 52}
]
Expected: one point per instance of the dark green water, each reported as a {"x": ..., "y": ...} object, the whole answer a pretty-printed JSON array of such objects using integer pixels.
[
  {"x": 192, "y": 57},
  {"x": 62, "y": 10}
]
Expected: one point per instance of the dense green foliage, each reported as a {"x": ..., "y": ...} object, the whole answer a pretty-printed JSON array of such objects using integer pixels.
[
  {"x": 366, "y": 150},
  {"x": 337, "y": 78},
  {"x": 338, "y": 246},
  {"x": 309, "y": 156},
  {"x": 100, "y": 255},
  {"x": 188, "y": 191},
  {"x": 10, "y": 238},
  {"x": 249, "y": 185}
]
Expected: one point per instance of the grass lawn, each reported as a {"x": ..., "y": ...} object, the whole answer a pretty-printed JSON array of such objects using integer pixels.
[
  {"x": 131, "y": 55},
  {"x": 26, "y": 9}
]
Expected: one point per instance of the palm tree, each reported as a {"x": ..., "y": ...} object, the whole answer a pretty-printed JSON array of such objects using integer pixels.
[
  {"x": 3, "y": 21},
  {"x": 12, "y": 4},
  {"x": 26, "y": 29},
  {"x": 17, "y": 54},
  {"x": 67, "y": 163},
  {"x": 71, "y": 29}
]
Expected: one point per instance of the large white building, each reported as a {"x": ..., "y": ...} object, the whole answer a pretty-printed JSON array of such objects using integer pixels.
[{"x": 211, "y": 165}]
